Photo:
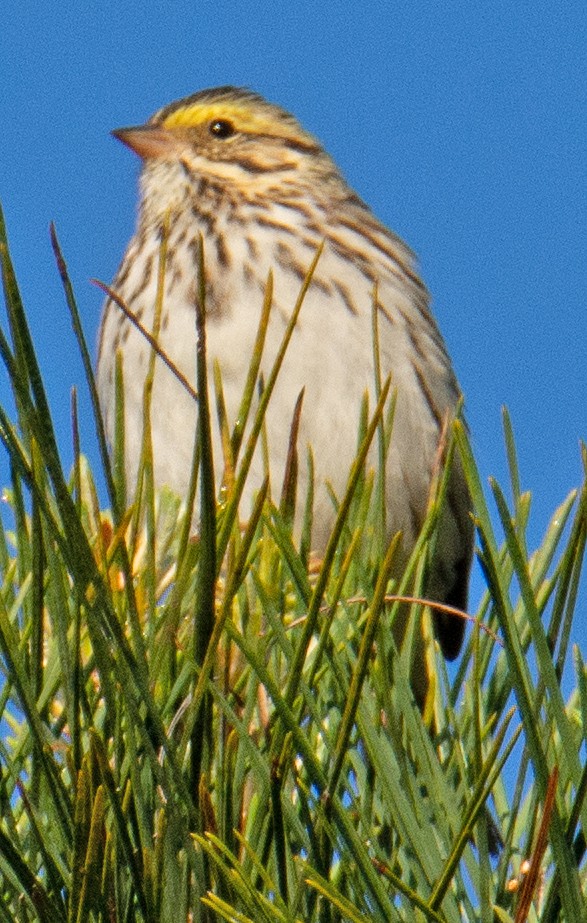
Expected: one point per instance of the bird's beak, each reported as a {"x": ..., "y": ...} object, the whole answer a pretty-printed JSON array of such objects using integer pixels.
[{"x": 149, "y": 141}]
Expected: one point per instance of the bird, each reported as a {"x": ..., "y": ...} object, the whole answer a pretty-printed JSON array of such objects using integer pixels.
[{"x": 226, "y": 167}]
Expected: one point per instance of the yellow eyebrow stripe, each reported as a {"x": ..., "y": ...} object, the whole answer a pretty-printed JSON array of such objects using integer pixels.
[{"x": 244, "y": 119}]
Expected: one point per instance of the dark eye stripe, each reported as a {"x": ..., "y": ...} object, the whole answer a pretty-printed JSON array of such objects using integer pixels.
[{"x": 294, "y": 144}]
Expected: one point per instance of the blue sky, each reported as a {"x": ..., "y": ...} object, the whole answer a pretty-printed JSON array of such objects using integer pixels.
[{"x": 462, "y": 125}]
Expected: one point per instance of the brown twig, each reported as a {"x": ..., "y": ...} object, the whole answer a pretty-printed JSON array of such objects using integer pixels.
[{"x": 148, "y": 337}]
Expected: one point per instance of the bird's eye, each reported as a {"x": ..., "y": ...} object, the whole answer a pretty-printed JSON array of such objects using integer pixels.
[{"x": 221, "y": 128}]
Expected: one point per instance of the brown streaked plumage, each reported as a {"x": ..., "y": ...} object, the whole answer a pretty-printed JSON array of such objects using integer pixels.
[{"x": 238, "y": 170}]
